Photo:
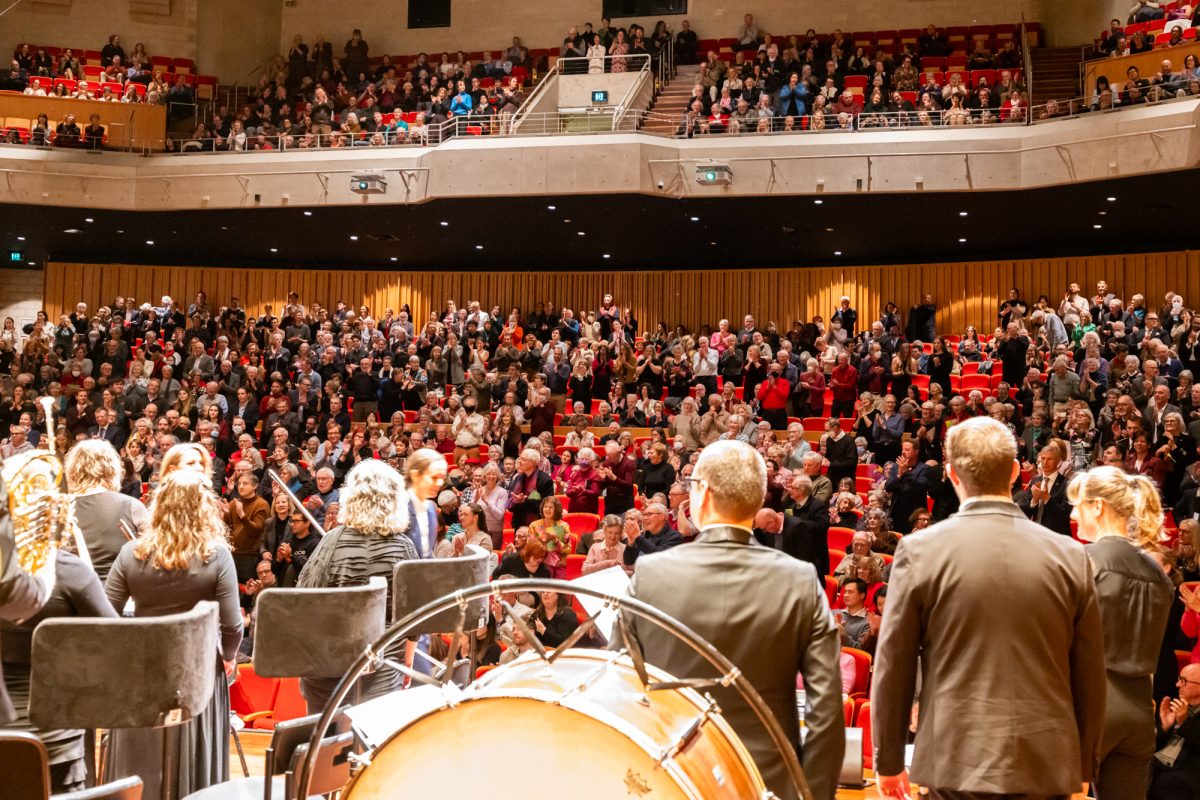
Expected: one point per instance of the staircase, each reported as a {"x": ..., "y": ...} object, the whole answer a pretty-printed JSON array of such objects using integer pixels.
[
  {"x": 1055, "y": 73},
  {"x": 670, "y": 104}
]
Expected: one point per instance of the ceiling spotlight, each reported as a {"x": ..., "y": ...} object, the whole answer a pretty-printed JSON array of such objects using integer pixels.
[
  {"x": 308, "y": 213},
  {"x": 581, "y": 233},
  {"x": 30, "y": 263},
  {"x": 606, "y": 255},
  {"x": 695, "y": 219},
  {"x": 817, "y": 202},
  {"x": 274, "y": 250},
  {"x": 478, "y": 247},
  {"x": 445, "y": 224},
  {"x": 1102, "y": 213},
  {"x": 551, "y": 208},
  {"x": 353, "y": 238},
  {"x": 72, "y": 230},
  {"x": 20, "y": 238},
  {"x": 395, "y": 259},
  {"x": 150, "y": 241},
  {"x": 829, "y": 230},
  {"x": 1111, "y": 199},
  {"x": 960, "y": 241},
  {"x": 1097, "y": 226},
  {"x": 837, "y": 252},
  {"x": 89, "y": 219},
  {"x": 566, "y": 220},
  {"x": 962, "y": 213}
]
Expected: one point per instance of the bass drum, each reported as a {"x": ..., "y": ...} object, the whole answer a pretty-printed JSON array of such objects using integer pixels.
[{"x": 582, "y": 726}]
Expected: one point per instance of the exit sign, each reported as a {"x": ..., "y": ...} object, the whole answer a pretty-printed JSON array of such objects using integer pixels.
[
  {"x": 600, "y": 96},
  {"x": 15, "y": 256}
]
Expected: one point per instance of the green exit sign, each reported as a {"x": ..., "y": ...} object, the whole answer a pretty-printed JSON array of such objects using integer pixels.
[
  {"x": 15, "y": 256},
  {"x": 600, "y": 97}
]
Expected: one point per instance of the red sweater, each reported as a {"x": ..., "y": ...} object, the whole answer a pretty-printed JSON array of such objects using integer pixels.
[
  {"x": 773, "y": 397},
  {"x": 847, "y": 380}
]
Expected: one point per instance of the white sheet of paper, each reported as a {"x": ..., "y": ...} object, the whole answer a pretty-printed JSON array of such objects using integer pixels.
[
  {"x": 376, "y": 720},
  {"x": 613, "y": 581}
]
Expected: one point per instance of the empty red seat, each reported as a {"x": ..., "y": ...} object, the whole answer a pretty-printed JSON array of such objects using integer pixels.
[
  {"x": 160, "y": 62},
  {"x": 856, "y": 82},
  {"x": 727, "y": 43},
  {"x": 864, "y": 722},
  {"x": 185, "y": 65},
  {"x": 862, "y": 671},
  {"x": 909, "y": 96}
]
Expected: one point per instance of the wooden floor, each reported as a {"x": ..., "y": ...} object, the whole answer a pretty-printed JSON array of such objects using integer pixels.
[{"x": 254, "y": 743}]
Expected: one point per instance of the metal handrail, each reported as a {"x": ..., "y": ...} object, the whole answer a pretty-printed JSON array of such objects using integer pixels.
[
  {"x": 541, "y": 87},
  {"x": 623, "y": 106}
]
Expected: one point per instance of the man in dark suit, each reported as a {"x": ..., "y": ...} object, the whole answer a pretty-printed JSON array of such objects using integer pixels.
[
  {"x": 245, "y": 408},
  {"x": 104, "y": 428},
  {"x": 528, "y": 487},
  {"x": 21, "y": 594},
  {"x": 802, "y": 532},
  {"x": 907, "y": 480},
  {"x": 1178, "y": 735},
  {"x": 1044, "y": 500},
  {"x": 714, "y": 586},
  {"x": 1011, "y": 659}
]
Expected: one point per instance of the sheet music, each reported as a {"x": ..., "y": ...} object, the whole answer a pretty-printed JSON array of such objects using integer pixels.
[
  {"x": 612, "y": 581},
  {"x": 376, "y": 720}
]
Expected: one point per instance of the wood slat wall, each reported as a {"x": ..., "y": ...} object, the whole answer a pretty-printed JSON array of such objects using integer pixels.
[{"x": 967, "y": 293}]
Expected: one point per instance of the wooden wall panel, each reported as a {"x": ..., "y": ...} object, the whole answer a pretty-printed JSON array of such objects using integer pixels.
[{"x": 967, "y": 293}]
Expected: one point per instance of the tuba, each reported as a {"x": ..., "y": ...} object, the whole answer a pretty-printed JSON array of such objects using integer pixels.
[{"x": 43, "y": 516}]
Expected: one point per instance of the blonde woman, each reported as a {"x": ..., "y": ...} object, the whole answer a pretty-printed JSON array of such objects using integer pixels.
[
  {"x": 181, "y": 560},
  {"x": 369, "y": 541},
  {"x": 93, "y": 471},
  {"x": 188, "y": 456},
  {"x": 1121, "y": 516}
]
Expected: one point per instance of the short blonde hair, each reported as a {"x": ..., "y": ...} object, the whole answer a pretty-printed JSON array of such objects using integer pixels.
[
  {"x": 1133, "y": 498},
  {"x": 982, "y": 452},
  {"x": 93, "y": 464},
  {"x": 736, "y": 475},
  {"x": 174, "y": 457},
  {"x": 185, "y": 522},
  {"x": 373, "y": 499}
]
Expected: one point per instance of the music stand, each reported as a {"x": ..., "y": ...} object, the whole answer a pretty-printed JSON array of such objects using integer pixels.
[
  {"x": 152, "y": 672},
  {"x": 415, "y": 583},
  {"x": 317, "y": 633}
]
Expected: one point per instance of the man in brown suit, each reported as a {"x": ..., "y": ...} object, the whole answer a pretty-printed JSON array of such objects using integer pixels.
[
  {"x": 764, "y": 610},
  {"x": 1001, "y": 617}
]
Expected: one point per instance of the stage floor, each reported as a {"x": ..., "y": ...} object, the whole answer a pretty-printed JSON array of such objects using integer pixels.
[{"x": 255, "y": 742}]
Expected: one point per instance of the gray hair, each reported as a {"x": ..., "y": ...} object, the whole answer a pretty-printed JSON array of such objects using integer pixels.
[{"x": 373, "y": 499}]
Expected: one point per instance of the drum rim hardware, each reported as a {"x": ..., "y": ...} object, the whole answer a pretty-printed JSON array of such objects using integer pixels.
[{"x": 731, "y": 676}]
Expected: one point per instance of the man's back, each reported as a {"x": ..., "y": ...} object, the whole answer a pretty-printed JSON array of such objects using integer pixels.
[
  {"x": 711, "y": 586},
  {"x": 1004, "y": 619}
]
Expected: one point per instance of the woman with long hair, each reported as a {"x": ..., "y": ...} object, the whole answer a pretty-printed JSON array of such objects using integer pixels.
[
  {"x": 368, "y": 543},
  {"x": 181, "y": 560},
  {"x": 1121, "y": 516},
  {"x": 554, "y": 534},
  {"x": 554, "y": 619}
]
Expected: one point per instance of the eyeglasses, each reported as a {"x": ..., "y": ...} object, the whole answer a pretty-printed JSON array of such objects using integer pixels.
[
  {"x": 1185, "y": 681},
  {"x": 689, "y": 483}
]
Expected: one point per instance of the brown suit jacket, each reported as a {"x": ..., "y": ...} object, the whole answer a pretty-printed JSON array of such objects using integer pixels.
[
  {"x": 1001, "y": 616},
  {"x": 767, "y": 613}
]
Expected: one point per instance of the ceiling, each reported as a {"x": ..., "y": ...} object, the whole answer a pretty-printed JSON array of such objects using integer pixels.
[{"x": 592, "y": 232}]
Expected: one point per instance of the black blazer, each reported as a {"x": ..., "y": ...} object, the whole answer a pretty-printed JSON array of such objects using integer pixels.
[
  {"x": 805, "y": 534},
  {"x": 1057, "y": 514}
]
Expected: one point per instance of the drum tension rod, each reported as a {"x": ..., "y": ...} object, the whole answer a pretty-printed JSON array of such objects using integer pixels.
[
  {"x": 529, "y": 635},
  {"x": 689, "y": 734},
  {"x": 575, "y": 636},
  {"x": 587, "y": 680}
]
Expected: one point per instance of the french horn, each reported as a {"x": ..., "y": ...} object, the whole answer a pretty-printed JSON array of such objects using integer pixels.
[{"x": 43, "y": 516}]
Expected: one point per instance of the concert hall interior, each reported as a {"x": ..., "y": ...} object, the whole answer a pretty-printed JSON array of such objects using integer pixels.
[{"x": 674, "y": 398}]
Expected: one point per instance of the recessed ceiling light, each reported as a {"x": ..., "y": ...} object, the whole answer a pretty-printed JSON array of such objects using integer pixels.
[
  {"x": 478, "y": 247},
  {"x": 395, "y": 259},
  {"x": 149, "y": 241},
  {"x": 1112, "y": 199},
  {"x": 829, "y": 230},
  {"x": 695, "y": 219},
  {"x": 1102, "y": 213},
  {"x": 445, "y": 224},
  {"x": 817, "y": 202},
  {"x": 89, "y": 219},
  {"x": 274, "y": 250},
  {"x": 581, "y": 233},
  {"x": 30, "y": 263},
  {"x": 353, "y": 238},
  {"x": 714, "y": 244},
  {"x": 551, "y": 208},
  {"x": 606, "y": 255},
  {"x": 960, "y": 241},
  {"x": 20, "y": 238},
  {"x": 1097, "y": 226},
  {"x": 837, "y": 252},
  {"x": 308, "y": 213},
  {"x": 72, "y": 230},
  {"x": 962, "y": 213},
  {"x": 566, "y": 220}
]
